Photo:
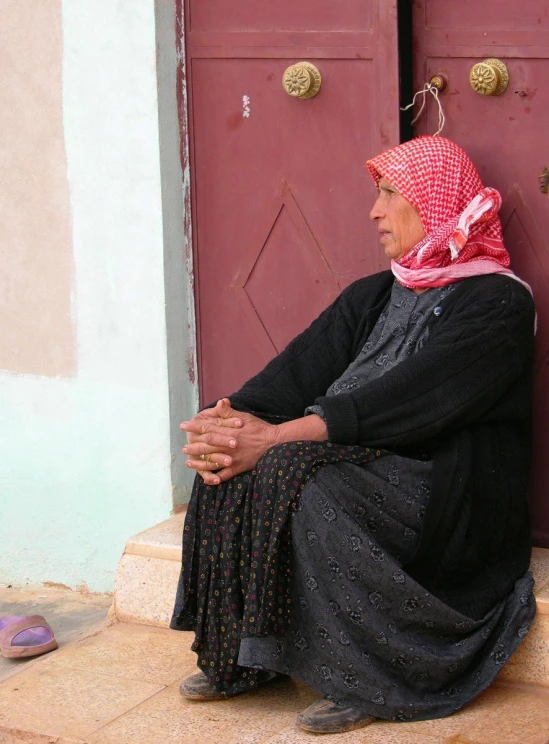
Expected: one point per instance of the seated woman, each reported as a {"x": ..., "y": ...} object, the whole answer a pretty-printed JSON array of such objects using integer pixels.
[{"x": 359, "y": 517}]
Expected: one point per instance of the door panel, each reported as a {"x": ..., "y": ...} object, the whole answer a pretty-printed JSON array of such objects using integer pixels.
[
  {"x": 494, "y": 15},
  {"x": 506, "y": 136},
  {"x": 280, "y": 193},
  {"x": 266, "y": 15}
]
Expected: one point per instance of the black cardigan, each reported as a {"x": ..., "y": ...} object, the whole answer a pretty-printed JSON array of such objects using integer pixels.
[{"x": 463, "y": 399}]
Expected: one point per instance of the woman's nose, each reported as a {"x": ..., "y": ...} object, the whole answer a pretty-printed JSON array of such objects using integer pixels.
[{"x": 376, "y": 211}]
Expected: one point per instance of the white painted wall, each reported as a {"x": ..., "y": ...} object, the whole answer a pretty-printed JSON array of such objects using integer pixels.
[{"x": 86, "y": 462}]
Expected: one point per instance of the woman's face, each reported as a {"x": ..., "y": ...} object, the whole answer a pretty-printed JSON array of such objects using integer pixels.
[{"x": 398, "y": 222}]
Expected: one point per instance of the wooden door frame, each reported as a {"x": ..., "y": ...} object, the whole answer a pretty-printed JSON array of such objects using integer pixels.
[{"x": 177, "y": 228}]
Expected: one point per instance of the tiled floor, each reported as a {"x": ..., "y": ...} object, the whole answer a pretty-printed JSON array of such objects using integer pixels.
[
  {"x": 71, "y": 614},
  {"x": 121, "y": 687}
]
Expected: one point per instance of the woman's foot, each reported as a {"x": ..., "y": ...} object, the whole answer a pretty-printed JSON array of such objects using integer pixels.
[
  {"x": 325, "y": 717},
  {"x": 197, "y": 687}
]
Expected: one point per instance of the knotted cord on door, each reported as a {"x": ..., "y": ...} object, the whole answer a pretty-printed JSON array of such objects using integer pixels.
[{"x": 433, "y": 90}]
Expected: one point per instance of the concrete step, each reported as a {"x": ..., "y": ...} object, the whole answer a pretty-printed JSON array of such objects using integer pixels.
[{"x": 147, "y": 577}]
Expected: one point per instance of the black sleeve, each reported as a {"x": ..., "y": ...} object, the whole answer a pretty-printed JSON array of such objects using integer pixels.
[
  {"x": 318, "y": 356},
  {"x": 476, "y": 351}
]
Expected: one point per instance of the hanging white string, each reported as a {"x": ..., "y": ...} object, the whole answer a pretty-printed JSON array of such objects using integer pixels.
[{"x": 428, "y": 88}]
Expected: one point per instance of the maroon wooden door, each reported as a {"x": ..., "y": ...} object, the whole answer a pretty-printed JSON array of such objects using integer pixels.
[
  {"x": 508, "y": 139},
  {"x": 280, "y": 193}
]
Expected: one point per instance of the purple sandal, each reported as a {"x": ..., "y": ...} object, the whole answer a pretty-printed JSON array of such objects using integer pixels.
[{"x": 25, "y": 636}]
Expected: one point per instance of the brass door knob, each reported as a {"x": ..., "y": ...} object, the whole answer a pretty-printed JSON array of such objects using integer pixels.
[
  {"x": 302, "y": 80},
  {"x": 439, "y": 81},
  {"x": 489, "y": 78}
]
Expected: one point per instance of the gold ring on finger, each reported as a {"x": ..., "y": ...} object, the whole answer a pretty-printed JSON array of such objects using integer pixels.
[{"x": 202, "y": 456}]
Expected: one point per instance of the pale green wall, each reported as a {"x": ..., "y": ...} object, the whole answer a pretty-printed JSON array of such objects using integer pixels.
[{"x": 87, "y": 462}]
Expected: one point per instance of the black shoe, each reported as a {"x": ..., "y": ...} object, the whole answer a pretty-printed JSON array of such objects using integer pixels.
[
  {"x": 325, "y": 717},
  {"x": 197, "y": 687}
]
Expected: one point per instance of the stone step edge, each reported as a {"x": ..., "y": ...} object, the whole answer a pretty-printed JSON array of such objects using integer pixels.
[
  {"x": 163, "y": 542},
  {"x": 161, "y": 552}
]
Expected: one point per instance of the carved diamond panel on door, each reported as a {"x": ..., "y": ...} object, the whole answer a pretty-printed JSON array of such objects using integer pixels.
[
  {"x": 289, "y": 263},
  {"x": 269, "y": 258},
  {"x": 506, "y": 136}
]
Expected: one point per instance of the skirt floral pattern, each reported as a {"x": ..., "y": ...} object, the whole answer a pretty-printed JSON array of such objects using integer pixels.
[
  {"x": 236, "y": 575},
  {"x": 299, "y": 567}
]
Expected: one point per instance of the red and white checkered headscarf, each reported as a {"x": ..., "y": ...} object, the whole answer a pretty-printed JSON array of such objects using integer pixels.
[{"x": 459, "y": 215}]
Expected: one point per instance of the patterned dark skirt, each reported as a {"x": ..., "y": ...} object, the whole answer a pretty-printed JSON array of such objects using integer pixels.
[{"x": 299, "y": 567}]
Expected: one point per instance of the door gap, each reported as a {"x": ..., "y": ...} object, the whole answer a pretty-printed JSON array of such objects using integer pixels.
[{"x": 405, "y": 63}]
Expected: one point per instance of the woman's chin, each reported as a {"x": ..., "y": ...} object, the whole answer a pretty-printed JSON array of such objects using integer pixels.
[{"x": 392, "y": 253}]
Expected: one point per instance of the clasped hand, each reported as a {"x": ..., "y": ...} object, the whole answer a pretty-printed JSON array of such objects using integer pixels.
[{"x": 222, "y": 442}]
